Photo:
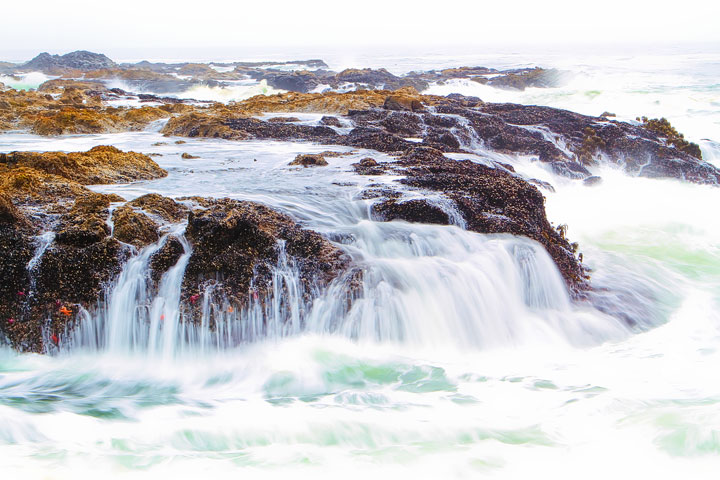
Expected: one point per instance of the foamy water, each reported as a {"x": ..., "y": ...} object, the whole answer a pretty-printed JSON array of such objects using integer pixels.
[{"x": 463, "y": 358}]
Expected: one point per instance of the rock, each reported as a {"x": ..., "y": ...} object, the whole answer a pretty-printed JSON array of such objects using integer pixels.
[
  {"x": 134, "y": 227},
  {"x": 167, "y": 256},
  {"x": 165, "y": 208},
  {"x": 283, "y": 119},
  {"x": 99, "y": 165},
  {"x": 187, "y": 156},
  {"x": 331, "y": 121},
  {"x": 489, "y": 200},
  {"x": 309, "y": 160},
  {"x": 238, "y": 243},
  {"x": 85, "y": 224},
  {"x": 414, "y": 211},
  {"x": 522, "y": 79},
  {"x": 403, "y": 102},
  {"x": 592, "y": 181},
  {"x": 78, "y": 60}
]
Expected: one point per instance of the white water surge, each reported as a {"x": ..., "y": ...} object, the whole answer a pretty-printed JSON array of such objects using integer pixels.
[{"x": 461, "y": 357}]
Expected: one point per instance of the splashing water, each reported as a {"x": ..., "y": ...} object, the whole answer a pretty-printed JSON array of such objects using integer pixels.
[{"x": 461, "y": 355}]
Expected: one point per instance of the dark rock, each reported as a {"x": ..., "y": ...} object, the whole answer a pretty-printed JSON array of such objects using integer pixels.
[
  {"x": 78, "y": 60},
  {"x": 414, "y": 211},
  {"x": 134, "y": 227},
  {"x": 238, "y": 243},
  {"x": 331, "y": 121},
  {"x": 166, "y": 257},
  {"x": 490, "y": 201},
  {"x": 309, "y": 160}
]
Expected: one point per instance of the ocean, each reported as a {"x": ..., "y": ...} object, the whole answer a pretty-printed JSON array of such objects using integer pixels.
[{"x": 465, "y": 357}]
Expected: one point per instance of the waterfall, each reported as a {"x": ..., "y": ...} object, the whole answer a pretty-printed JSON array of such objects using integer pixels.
[{"x": 422, "y": 285}]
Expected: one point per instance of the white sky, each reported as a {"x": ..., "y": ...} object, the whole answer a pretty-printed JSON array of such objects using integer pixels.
[{"x": 135, "y": 25}]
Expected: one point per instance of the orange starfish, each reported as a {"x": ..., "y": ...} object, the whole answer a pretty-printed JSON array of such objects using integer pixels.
[{"x": 65, "y": 311}]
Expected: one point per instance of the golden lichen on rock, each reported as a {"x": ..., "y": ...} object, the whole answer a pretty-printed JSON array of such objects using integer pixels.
[
  {"x": 663, "y": 128},
  {"x": 100, "y": 165}
]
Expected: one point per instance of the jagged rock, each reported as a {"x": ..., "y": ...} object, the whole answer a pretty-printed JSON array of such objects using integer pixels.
[
  {"x": 331, "y": 121},
  {"x": 134, "y": 227},
  {"x": 166, "y": 208},
  {"x": 238, "y": 243},
  {"x": 78, "y": 60},
  {"x": 414, "y": 211},
  {"x": 167, "y": 256},
  {"x": 283, "y": 119},
  {"x": 522, "y": 79},
  {"x": 309, "y": 160},
  {"x": 101, "y": 164},
  {"x": 490, "y": 200}
]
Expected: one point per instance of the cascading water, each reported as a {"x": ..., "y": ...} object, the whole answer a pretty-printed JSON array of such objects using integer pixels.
[{"x": 460, "y": 355}]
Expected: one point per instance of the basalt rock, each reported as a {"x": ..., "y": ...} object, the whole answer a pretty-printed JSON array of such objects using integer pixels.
[
  {"x": 309, "y": 160},
  {"x": 238, "y": 243},
  {"x": 414, "y": 211},
  {"x": 78, "y": 60},
  {"x": 101, "y": 164},
  {"x": 134, "y": 227},
  {"x": 490, "y": 200},
  {"x": 44, "y": 192}
]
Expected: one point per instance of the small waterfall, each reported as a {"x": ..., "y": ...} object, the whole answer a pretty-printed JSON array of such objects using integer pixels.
[
  {"x": 443, "y": 286},
  {"x": 422, "y": 285},
  {"x": 42, "y": 242}
]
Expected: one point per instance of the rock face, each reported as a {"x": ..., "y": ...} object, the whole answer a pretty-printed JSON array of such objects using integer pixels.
[
  {"x": 238, "y": 243},
  {"x": 78, "y": 60},
  {"x": 88, "y": 237},
  {"x": 490, "y": 200},
  {"x": 43, "y": 192}
]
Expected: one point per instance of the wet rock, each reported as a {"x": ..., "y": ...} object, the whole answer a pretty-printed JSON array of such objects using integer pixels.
[
  {"x": 78, "y": 60},
  {"x": 414, "y": 211},
  {"x": 331, "y": 121},
  {"x": 522, "y": 79},
  {"x": 592, "y": 181},
  {"x": 165, "y": 208},
  {"x": 283, "y": 119},
  {"x": 85, "y": 223},
  {"x": 238, "y": 243},
  {"x": 134, "y": 227},
  {"x": 99, "y": 165},
  {"x": 187, "y": 156},
  {"x": 166, "y": 257},
  {"x": 403, "y": 102},
  {"x": 490, "y": 201},
  {"x": 309, "y": 160}
]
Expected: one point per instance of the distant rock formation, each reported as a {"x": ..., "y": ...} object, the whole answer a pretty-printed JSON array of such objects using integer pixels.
[{"x": 78, "y": 60}]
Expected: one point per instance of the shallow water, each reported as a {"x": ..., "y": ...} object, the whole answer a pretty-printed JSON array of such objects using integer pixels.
[{"x": 463, "y": 358}]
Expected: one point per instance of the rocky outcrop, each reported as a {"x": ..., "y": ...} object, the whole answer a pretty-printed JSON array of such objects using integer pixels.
[
  {"x": 490, "y": 200},
  {"x": 309, "y": 160},
  {"x": 101, "y": 164},
  {"x": 78, "y": 60},
  {"x": 52, "y": 281},
  {"x": 238, "y": 243},
  {"x": 44, "y": 192},
  {"x": 69, "y": 106},
  {"x": 394, "y": 122}
]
